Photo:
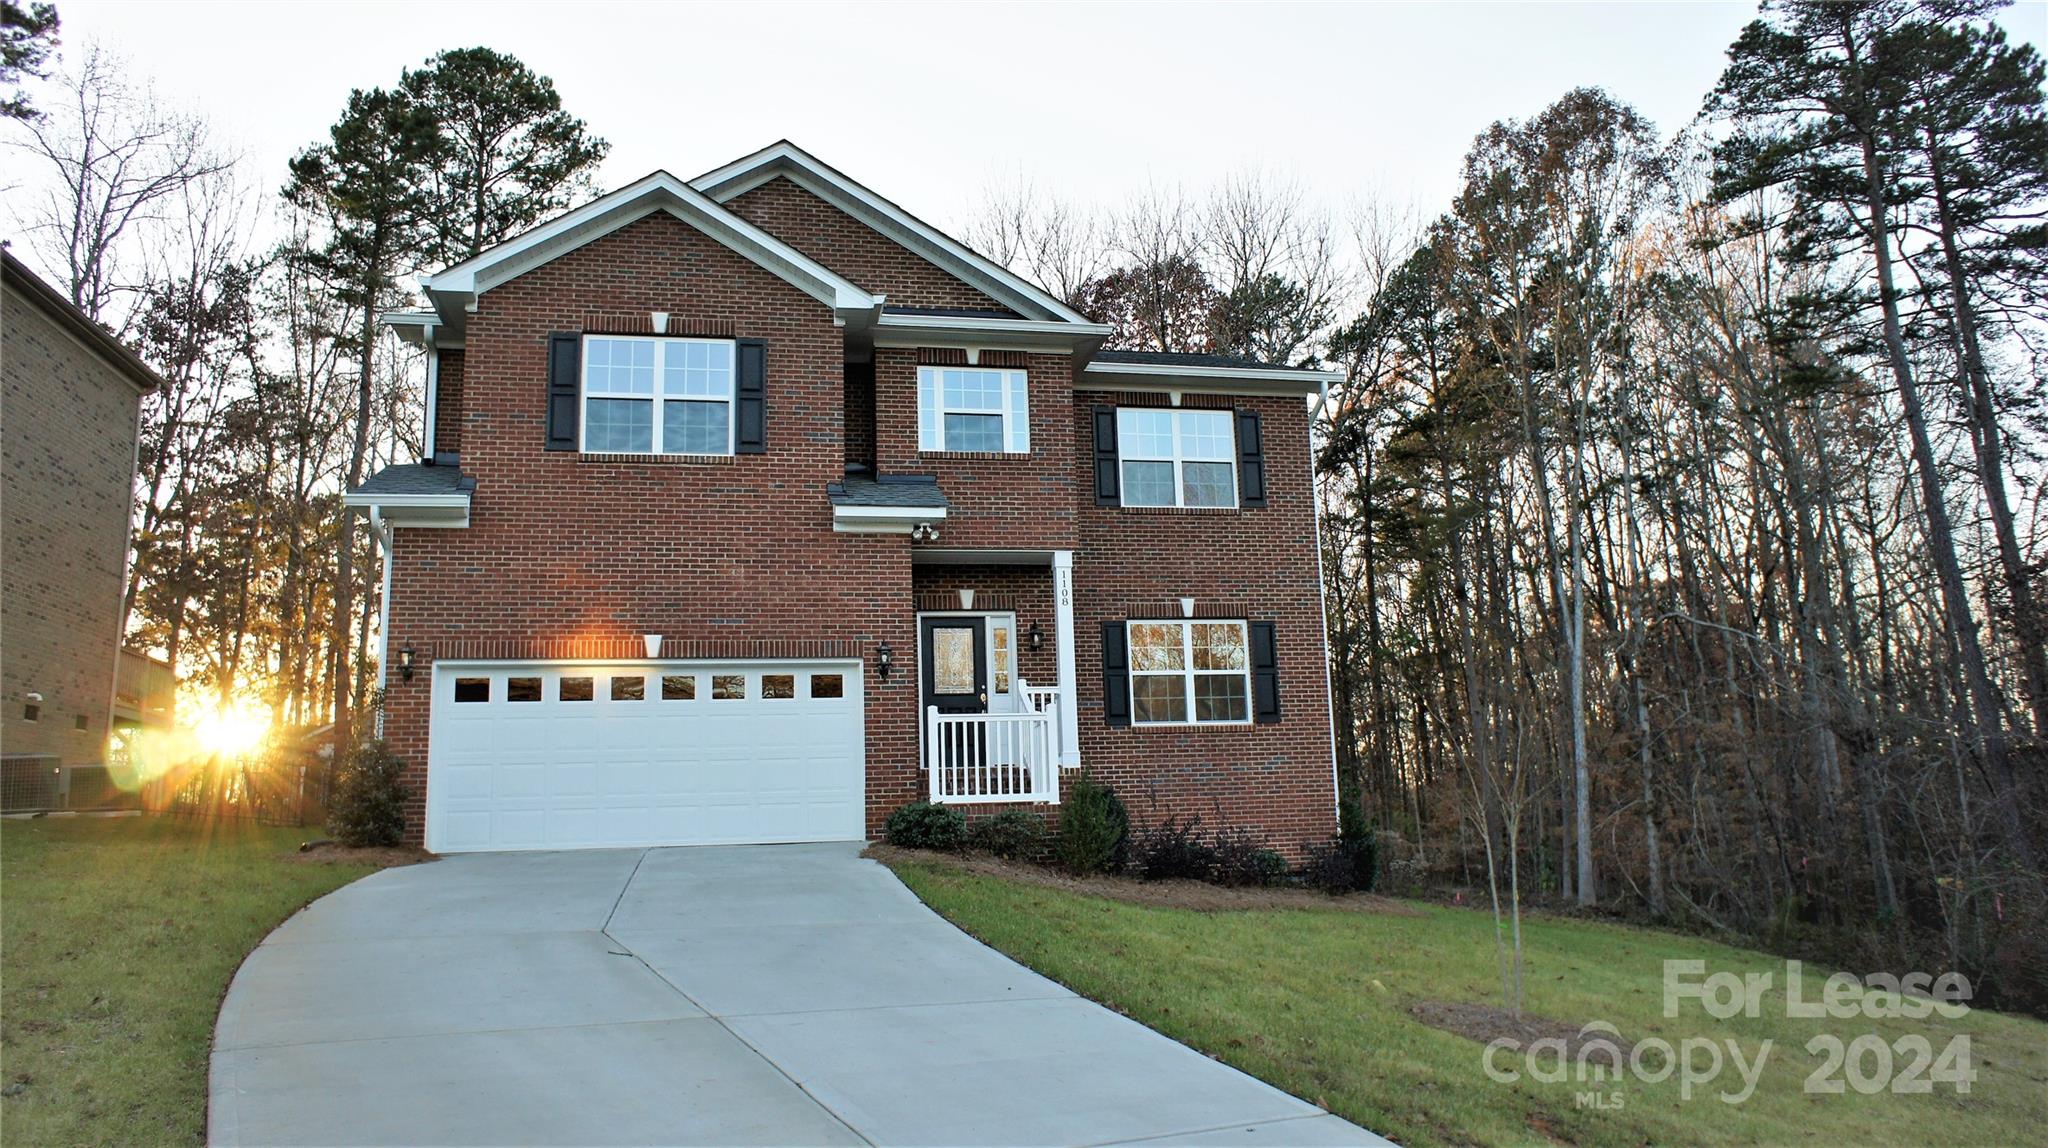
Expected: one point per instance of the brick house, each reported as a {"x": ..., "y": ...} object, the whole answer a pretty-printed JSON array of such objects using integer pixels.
[
  {"x": 68, "y": 427},
  {"x": 756, "y": 508}
]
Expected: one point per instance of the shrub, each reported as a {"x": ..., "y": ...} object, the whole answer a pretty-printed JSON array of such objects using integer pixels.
[
  {"x": 367, "y": 806},
  {"x": 1348, "y": 863},
  {"x": 1011, "y": 834},
  {"x": 1094, "y": 828},
  {"x": 1242, "y": 860},
  {"x": 1357, "y": 838},
  {"x": 1329, "y": 867},
  {"x": 923, "y": 825},
  {"x": 1174, "y": 849}
]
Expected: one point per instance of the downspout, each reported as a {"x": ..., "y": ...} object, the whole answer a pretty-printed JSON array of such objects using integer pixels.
[{"x": 1315, "y": 496}]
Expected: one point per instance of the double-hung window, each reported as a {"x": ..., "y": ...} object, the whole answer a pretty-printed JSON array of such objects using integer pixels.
[
  {"x": 1189, "y": 672},
  {"x": 657, "y": 396},
  {"x": 1176, "y": 457},
  {"x": 969, "y": 408}
]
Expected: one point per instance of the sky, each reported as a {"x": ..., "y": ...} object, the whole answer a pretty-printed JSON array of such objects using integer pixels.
[{"x": 933, "y": 104}]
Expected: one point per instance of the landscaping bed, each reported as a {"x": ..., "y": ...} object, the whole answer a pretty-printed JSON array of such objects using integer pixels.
[{"x": 118, "y": 939}]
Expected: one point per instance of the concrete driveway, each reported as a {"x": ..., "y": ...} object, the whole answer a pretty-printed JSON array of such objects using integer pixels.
[{"x": 767, "y": 995}]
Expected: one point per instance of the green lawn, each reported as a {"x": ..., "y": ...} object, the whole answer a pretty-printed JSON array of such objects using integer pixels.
[
  {"x": 117, "y": 938},
  {"x": 1290, "y": 997}
]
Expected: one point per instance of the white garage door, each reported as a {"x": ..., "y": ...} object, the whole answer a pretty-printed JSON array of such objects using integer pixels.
[{"x": 572, "y": 755}]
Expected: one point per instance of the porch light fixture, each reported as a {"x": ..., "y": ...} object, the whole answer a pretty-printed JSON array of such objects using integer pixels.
[
  {"x": 405, "y": 661},
  {"x": 1036, "y": 637},
  {"x": 884, "y": 658}
]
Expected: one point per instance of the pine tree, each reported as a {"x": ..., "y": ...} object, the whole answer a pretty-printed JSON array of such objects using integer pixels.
[
  {"x": 368, "y": 184},
  {"x": 507, "y": 155}
]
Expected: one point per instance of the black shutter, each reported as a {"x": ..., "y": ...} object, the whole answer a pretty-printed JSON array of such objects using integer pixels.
[
  {"x": 1251, "y": 461},
  {"x": 1116, "y": 676},
  {"x": 1265, "y": 674},
  {"x": 750, "y": 398},
  {"x": 1106, "y": 493},
  {"x": 565, "y": 366}
]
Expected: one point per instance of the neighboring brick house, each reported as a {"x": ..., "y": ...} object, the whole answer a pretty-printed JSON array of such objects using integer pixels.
[
  {"x": 68, "y": 417},
  {"x": 756, "y": 508}
]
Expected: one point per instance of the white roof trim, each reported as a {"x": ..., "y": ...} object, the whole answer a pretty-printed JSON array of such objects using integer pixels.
[
  {"x": 884, "y": 519},
  {"x": 1208, "y": 379},
  {"x": 813, "y": 175},
  {"x": 659, "y": 191},
  {"x": 1055, "y": 335},
  {"x": 433, "y": 510}
]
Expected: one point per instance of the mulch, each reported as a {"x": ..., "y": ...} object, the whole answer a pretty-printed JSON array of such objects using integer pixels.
[
  {"x": 1486, "y": 1023},
  {"x": 1194, "y": 895},
  {"x": 335, "y": 853}
]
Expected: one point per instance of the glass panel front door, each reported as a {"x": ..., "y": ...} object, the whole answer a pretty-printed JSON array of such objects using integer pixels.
[{"x": 954, "y": 659}]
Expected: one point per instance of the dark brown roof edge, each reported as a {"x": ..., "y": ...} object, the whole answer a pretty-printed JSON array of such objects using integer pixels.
[{"x": 56, "y": 306}]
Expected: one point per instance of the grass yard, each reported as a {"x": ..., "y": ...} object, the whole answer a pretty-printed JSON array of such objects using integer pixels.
[
  {"x": 117, "y": 938},
  {"x": 1317, "y": 1002}
]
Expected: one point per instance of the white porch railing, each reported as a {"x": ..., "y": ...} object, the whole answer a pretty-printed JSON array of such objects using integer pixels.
[{"x": 982, "y": 758}]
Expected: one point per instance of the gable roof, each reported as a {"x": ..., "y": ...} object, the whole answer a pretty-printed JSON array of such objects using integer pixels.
[
  {"x": 788, "y": 161},
  {"x": 455, "y": 289}
]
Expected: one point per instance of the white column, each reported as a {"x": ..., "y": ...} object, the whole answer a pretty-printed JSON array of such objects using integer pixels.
[{"x": 1063, "y": 644}]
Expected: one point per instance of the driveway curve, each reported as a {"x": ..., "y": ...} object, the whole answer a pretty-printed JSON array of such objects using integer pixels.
[{"x": 789, "y": 994}]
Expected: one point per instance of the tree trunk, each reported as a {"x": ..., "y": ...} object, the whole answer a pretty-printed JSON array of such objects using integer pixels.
[{"x": 1983, "y": 696}]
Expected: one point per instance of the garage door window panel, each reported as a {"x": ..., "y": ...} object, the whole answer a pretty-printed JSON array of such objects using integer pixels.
[
  {"x": 577, "y": 689},
  {"x": 629, "y": 689},
  {"x": 828, "y": 686},
  {"x": 728, "y": 687},
  {"x": 778, "y": 685},
  {"x": 472, "y": 689},
  {"x": 522, "y": 689},
  {"x": 679, "y": 687}
]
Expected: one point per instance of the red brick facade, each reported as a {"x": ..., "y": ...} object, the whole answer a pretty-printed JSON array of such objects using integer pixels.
[
  {"x": 577, "y": 555},
  {"x": 853, "y": 249}
]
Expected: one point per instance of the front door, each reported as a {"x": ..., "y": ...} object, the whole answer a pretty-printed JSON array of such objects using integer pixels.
[{"x": 955, "y": 664}]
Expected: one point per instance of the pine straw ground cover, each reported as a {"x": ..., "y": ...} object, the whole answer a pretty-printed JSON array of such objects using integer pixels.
[
  {"x": 1381, "y": 1016},
  {"x": 118, "y": 937}
]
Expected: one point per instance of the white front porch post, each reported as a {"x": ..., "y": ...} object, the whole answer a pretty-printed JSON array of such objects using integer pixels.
[{"x": 1063, "y": 644}]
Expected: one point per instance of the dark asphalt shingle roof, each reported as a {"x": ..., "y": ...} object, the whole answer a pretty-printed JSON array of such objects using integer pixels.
[
  {"x": 1190, "y": 359},
  {"x": 916, "y": 491},
  {"x": 417, "y": 478}
]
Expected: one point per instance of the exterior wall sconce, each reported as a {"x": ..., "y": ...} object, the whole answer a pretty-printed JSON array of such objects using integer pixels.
[
  {"x": 884, "y": 659},
  {"x": 405, "y": 661},
  {"x": 1036, "y": 636}
]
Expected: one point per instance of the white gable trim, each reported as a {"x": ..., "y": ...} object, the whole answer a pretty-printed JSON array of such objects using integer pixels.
[
  {"x": 461, "y": 284},
  {"x": 808, "y": 172}
]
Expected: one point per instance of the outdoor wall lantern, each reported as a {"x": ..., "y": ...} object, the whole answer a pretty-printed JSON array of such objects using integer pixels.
[
  {"x": 884, "y": 658},
  {"x": 1037, "y": 637},
  {"x": 405, "y": 661}
]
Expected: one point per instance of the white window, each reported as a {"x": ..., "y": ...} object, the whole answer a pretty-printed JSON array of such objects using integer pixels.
[
  {"x": 1189, "y": 672},
  {"x": 1176, "y": 457},
  {"x": 657, "y": 396},
  {"x": 966, "y": 408}
]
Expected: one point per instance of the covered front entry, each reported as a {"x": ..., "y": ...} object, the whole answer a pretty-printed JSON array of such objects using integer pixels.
[{"x": 568, "y": 755}]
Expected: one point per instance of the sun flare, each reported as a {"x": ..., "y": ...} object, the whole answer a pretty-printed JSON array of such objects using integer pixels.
[{"x": 232, "y": 732}]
